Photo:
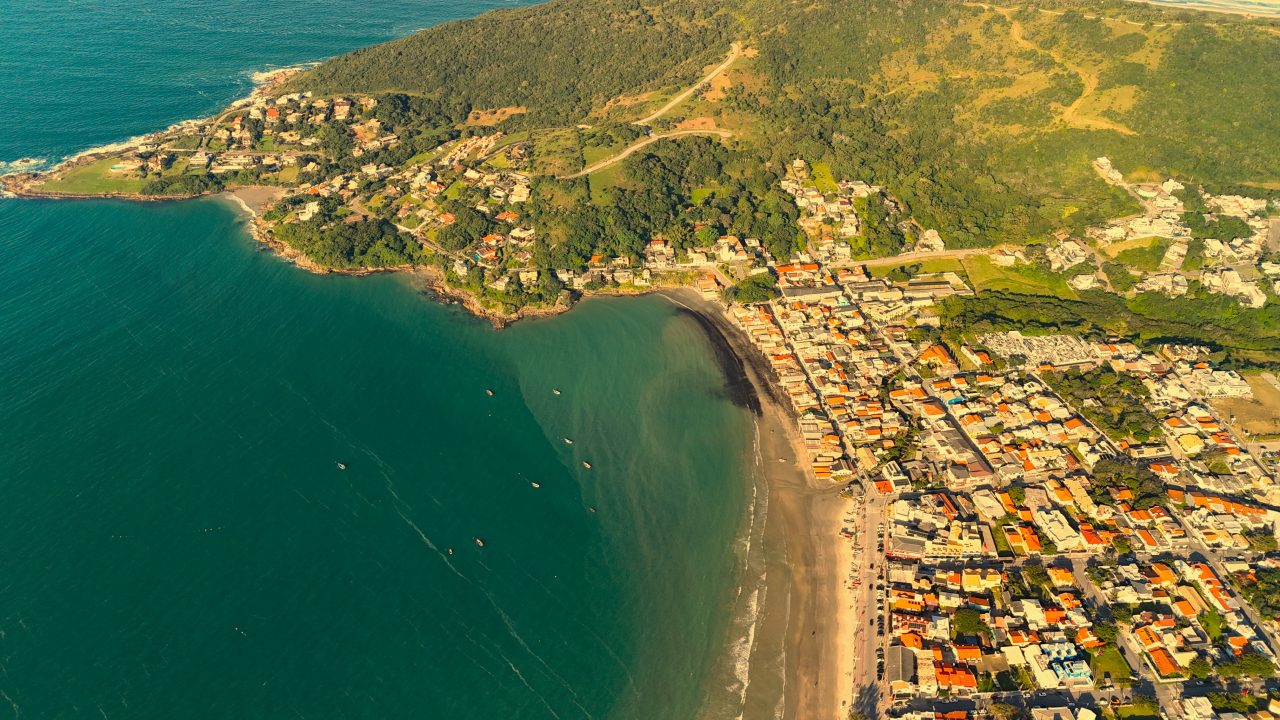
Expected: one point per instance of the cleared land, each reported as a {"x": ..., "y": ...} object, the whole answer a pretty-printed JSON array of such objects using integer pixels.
[
  {"x": 1260, "y": 416},
  {"x": 986, "y": 275}
]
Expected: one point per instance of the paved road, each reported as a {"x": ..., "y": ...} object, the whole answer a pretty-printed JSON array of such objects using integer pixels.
[
  {"x": 908, "y": 258},
  {"x": 734, "y": 51},
  {"x": 642, "y": 143}
]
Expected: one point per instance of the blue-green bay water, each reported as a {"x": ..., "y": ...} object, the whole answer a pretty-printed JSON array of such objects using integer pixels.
[{"x": 176, "y": 539}]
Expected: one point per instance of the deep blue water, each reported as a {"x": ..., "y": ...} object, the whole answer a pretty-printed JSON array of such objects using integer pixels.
[{"x": 176, "y": 539}]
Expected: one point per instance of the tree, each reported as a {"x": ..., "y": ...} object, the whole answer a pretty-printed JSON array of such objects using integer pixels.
[
  {"x": 1199, "y": 668},
  {"x": 968, "y": 622},
  {"x": 1250, "y": 664},
  {"x": 754, "y": 289},
  {"x": 1035, "y": 574},
  {"x": 335, "y": 140},
  {"x": 1105, "y": 631},
  {"x": 469, "y": 225},
  {"x": 1004, "y": 711},
  {"x": 1261, "y": 540}
]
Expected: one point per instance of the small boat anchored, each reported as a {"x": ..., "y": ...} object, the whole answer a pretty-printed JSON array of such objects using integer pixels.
[
  {"x": 555, "y": 392},
  {"x": 568, "y": 441},
  {"x": 342, "y": 466},
  {"x": 479, "y": 542},
  {"x": 586, "y": 464},
  {"x": 488, "y": 392},
  {"x": 535, "y": 485}
]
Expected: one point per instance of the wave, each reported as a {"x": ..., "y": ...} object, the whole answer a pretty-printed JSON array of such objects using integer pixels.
[{"x": 26, "y": 164}]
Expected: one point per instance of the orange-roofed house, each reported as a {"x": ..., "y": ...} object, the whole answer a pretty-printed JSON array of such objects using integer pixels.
[
  {"x": 1161, "y": 574},
  {"x": 1164, "y": 662},
  {"x": 955, "y": 678}
]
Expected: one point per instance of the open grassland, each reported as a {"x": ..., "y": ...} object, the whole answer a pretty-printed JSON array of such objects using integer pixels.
[
  {"x": 823, "y": 178},
  {"x": 1140, "y": 253},
  {"x": 922, "y": 267},
  {"x": 986, "y": 275},
  {"x": 603, "y": 181},
  {"x": 95, "y": 178}
]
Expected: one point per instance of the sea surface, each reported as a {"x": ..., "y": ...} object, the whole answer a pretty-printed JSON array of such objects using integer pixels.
[{"x": 176, "y": 537}]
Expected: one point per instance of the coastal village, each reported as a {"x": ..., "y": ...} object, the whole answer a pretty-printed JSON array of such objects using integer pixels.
[
  {"x": 1070, "y": 526},
  {"x": 1025, "y": 544}
]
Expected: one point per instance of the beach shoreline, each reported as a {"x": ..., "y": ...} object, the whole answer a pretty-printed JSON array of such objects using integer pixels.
[
  {"x": 811, "y": 564},
  {"x": 1245, "y": 9}
]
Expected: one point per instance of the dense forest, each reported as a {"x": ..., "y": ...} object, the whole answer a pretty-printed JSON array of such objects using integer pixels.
[
  {"x": 1242, "y": 337},
  {"x": 557, "y": 60}
]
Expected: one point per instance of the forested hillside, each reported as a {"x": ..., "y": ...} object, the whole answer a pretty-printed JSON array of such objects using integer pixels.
[
  {"x": 557, "y": 60},
  {"x": 981, "y": 118}
]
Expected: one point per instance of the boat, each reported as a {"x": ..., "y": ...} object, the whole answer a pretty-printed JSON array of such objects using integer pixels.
[
  {"x": 586, "y": 464},
  {"x": 450, "y": 551},
  {"x": 342, "y": 466},
  {"x": 489, "y": 393},
  {"x": 591, "y": 508},
  {"x": 479, "y": 542},
  {"x": 555, "y": 392},
  {"x": 567, "y": 441},
  {"x": 535, "y": 485}
]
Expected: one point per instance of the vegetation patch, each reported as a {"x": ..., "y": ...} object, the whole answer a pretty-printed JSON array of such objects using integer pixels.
[{"x": 986, "y": 275}]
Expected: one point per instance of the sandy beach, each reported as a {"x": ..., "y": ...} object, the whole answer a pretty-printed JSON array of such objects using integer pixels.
[
  {"x": 1232, "y": 7},
  {"x": 814, "y": 623},
  {"x": 256, "y": 198}
]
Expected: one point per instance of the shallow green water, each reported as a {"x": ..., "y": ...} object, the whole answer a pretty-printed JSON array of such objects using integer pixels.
[{"x": 178, "y": 540}]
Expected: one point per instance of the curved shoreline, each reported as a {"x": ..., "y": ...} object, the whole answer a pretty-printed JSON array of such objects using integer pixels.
[{"x": 804, "y": 619}]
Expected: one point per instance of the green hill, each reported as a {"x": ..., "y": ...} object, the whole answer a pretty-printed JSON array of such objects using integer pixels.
[
  {"x": 981, "y": 118},
  {"x": 557, "y": 60}
]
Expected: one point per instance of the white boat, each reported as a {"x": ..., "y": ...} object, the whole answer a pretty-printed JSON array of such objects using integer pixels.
[
  {"x": 489, "y": 393},
  {"x": 555, "y": 392},
  {"x": 342, "y": 466},
  {"x": 586, "y": 464},
  {"x": 535, "y": 485},
  {"x": 479, "y": 542},
  {"x": 567, "y": 441}
]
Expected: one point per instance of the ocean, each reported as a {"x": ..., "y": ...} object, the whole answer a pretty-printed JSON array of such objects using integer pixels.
[{"x": 178, "y": 538}]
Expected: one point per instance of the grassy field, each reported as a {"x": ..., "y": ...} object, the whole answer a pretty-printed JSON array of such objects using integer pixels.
[
  {"x": 595, "y": 153},
  {"x": 986, "y": 275},
  {"x": 1109, "y": 660},
  {"x": 1141, "y": 709},
  {"x": 1140, "y": 253},
  {"x": 454, "y": 191},
  {"x": 701, "y": 193},
  {"x": 95, "y": 178},
  {"x": 931, "y": 265},
  {"x": 823, "y": 178},
  {"x": 557, "y": 152},
  {"x": 602, "y": 181},
  {"x": 1260, "y": 416}
]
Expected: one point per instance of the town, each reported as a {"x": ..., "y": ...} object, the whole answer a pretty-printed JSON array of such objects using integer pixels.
[{"x": 1066, "y": 525}]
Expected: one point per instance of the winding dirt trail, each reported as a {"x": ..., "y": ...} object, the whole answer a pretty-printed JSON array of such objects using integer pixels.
[
  {"x": 734, "y": 51},
  {"x": 1071, "y": 114},
  {"x": 602, "y": 164}
]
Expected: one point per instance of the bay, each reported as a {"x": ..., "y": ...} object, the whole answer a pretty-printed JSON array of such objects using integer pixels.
[{"x": 178, "y": 538}]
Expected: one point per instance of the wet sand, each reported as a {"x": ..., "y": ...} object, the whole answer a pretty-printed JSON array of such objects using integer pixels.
[
  {"x": 808, "y": 618},
  {"x": 256, "y": 198}
]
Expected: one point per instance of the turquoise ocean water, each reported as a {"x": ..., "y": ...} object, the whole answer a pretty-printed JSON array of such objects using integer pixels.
[{"x": 176, "y": 539}]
